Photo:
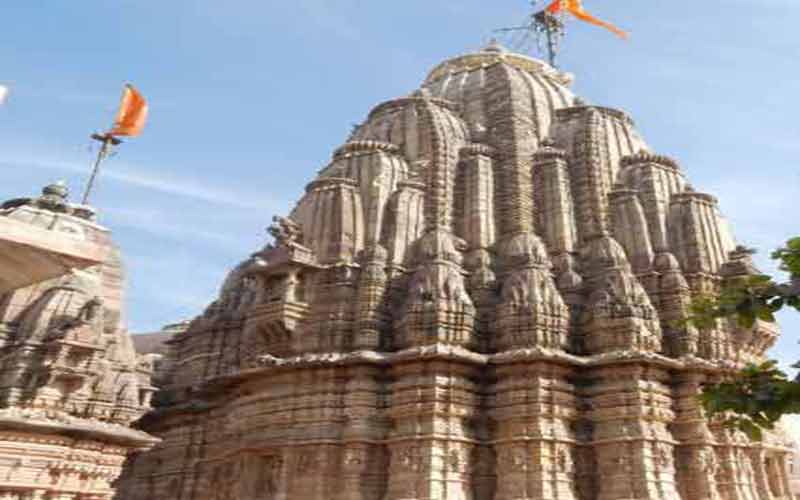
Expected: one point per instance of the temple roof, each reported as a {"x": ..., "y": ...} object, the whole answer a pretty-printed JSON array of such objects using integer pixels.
[{"x": 492, "y": 54}]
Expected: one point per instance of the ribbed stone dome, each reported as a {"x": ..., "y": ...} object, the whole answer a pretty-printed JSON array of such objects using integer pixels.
[{"x": 475, "y": 81}]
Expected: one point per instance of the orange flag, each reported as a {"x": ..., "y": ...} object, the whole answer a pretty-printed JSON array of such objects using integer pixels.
[
  {"x": 575, "y": 7},
  {"x": 132, "y": 113}
]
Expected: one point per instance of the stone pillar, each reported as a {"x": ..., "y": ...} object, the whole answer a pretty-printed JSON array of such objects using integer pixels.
[
  {"x": 482, "y": 284},
  {"x": 534, "y": 441},
  {"x": 509, "y": 113},
  {"x": 290, "y": 286},
  {"x": 697, "y": 460},
  {"x": 477, "y": 219},
  {"x": 634, "y": 453},
  {"x": 674, "y": 300},
  {"x": 444, "y": 143},
  {"x": 432, "y": 443},
  {"x": 313, "y": 470},
  {"x": 736, "y": 477},
  {"x": 363, "y": 472},
  {"x": 331, "y": 315},
  {"x": 766, "y": 478},
  {"x": 555, "y": 217},
  {"x": 371, "y": 320},
  {"x": 364, "y": 461},
  {"x": 779, "y": 465},
  {"x": 590, "y": 176}
]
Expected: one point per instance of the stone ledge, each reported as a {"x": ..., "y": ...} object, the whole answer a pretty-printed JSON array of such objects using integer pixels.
[
  {"x": 29, "y": 254},
  {"x": 64, "y": 425}
]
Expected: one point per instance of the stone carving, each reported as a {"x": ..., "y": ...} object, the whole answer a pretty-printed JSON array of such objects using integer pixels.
[
  {"x": 489, "y": 268},
  {"x": 285, "y": 231},
  {"x": 410, "y": 458},
  {"x": 564, "y": 461}
]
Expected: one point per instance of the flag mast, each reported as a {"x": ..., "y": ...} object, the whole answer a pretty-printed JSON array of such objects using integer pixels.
[
  {"x": 553, "y": 29},
  {"x": 108, "y": 141}
]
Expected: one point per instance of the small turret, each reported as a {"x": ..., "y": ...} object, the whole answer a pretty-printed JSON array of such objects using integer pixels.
[
  {"x": 531, "y": 312},
  {"x": 619, "y": 315}
]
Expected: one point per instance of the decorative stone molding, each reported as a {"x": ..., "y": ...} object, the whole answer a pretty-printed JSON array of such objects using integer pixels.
[{"x": 365, "y": 146}]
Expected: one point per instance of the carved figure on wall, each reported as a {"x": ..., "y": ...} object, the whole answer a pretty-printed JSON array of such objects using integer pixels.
[
  {"x": 564, "y": 461},
  {"x": 306, "y": 462},
  {"x": 354, "y": 457},
  {"x": 454, "y": 460},
  {"x": 264, "y": 474},
  {"x": 173, "y": 488},
  {"x": 709, "y": 463},
  {"x": 411, "y": 458},
  {"x": 91, "y": 310},
  {"x": 516, "y": 459},
  {"x": 223, "y": 481},
  {"x": 663, "y": 455}
]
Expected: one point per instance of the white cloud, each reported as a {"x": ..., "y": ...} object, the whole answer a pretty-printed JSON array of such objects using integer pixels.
[
  {"x": 160, "y": 224},
  {"x": 145, "y": 177}
]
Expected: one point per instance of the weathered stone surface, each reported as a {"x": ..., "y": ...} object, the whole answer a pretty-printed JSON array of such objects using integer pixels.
[
  {"x": 478, "y": 299},
  {"x": 70, "y": 381}
]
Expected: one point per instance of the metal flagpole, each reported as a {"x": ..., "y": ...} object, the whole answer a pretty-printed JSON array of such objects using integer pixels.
[
  {"x": 108, "y": 141},
  {"x": 553, "y": 29},
  {"x": 545, "y": 27}
]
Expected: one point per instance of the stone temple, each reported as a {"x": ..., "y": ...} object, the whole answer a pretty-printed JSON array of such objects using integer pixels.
[
  {"x": 478, "y": 298},
  {"x": 71, "y": 382}
]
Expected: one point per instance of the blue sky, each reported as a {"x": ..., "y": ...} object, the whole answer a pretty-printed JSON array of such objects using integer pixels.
[{"x": 249, "y": 98}]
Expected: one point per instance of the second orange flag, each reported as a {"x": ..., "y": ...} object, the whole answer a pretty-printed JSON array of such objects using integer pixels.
[{"x": 575, "y": 7}]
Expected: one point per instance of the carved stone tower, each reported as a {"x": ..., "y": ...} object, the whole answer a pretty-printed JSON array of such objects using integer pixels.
[
  {"x": 477, "y": 299},
  {"x": 70, "y": 382}
]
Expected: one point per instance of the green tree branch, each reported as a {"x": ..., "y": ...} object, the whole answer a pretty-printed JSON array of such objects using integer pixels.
[{"x": 757, "y": 398}]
